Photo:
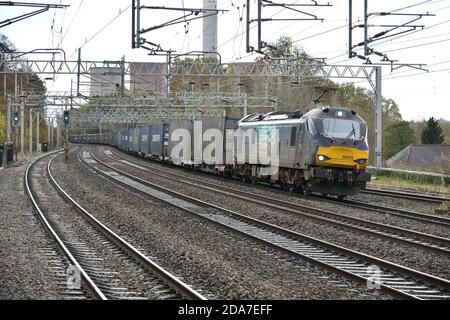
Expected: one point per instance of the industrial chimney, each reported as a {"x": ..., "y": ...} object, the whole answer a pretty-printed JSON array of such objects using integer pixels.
[{"x": 210, "y": 28}]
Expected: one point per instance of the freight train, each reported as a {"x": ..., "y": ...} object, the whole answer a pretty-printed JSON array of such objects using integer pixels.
[{"x": 322, "y": 151}]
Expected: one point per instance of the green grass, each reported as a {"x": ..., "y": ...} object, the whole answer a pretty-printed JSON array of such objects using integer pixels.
[{"x": 413, "y": 184}]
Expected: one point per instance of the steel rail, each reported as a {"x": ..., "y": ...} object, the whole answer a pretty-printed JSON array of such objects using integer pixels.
[
  {"x": 90, "y": 286},
  {"x": 422, "y": 240},
  {"x": 419, "y": 216},
  {"x": 171, "y": 280},
  {"x": 336, "y": 258},
  {"x": 413, "y": 215},
  {"x": 406, "y": 195}
]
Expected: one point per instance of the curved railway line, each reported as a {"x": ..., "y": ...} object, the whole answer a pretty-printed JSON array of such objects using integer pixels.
[
  {"x": 99, "y": 279},
  {"x": 390, "y": 277},
  {"x": 424, "y": 241},
  {"x": 387, "y": 210}
]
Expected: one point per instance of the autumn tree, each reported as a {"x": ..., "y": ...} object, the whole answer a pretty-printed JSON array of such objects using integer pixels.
[
  {"x": 295, "y": 91},
  {"x": 31, "y": 83},
  {"x": 397, "y": 136}
]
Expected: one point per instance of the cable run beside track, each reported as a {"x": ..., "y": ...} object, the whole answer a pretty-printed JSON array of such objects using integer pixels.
[{"x": 390, "y": 277}]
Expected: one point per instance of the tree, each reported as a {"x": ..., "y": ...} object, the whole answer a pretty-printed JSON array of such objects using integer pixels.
[
  {"x": 291, "y": 92},
  {"x": 432, "y": 133},
  {"x": 445, "y": 125},
  {"x": 2, "y": 127},
  {"x": 397, "y": 136},
  {"x": 391, "y": 112},
  {"x": 31, "y": 82}
]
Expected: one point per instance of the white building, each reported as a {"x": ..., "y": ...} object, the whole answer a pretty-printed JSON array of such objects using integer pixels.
[
  {"x": 104, "y": 81},
  {"x": 147, "y": 77}
]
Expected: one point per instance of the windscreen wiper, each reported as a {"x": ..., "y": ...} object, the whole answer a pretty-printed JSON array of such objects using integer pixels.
[{"x": 352, "y": 133}]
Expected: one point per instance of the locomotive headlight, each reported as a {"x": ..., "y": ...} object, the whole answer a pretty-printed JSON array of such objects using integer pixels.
[
  {"x": 322, "y": 158},
  {"x": 361, "y": 161}
]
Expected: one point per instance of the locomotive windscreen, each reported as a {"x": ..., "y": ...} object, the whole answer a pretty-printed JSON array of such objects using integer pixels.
[{"x": 341, "y": 128}]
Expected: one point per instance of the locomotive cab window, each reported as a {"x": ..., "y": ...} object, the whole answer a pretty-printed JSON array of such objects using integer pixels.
[
  {"x": 341, "y": 128},
  {"x": 293, "y": 136},
  {"x": 302, "y": 126},
  {"x": 310, "y": 126}
]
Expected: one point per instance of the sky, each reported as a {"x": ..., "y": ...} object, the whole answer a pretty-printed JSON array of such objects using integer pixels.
[{"x": 103, "y": 31}]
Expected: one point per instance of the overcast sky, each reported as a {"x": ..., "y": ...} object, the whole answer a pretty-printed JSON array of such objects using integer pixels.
[{"x": 103, "y": 29}]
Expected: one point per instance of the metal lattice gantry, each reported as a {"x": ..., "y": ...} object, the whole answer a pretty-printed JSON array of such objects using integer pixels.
[
  {"x": 294, "y": 70},
  {"x": 158, "y": 106},
  {"x": 237, "y": 69},
  {"x": 198, "y": 99},
  {"x": 95, "y": 117},
  {"x": 93, "y": 112}
]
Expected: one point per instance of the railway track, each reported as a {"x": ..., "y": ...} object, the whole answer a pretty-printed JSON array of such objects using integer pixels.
[
  {"x": 393, "y": 278},
  {"x": 109, "y": 267},
  {"x": 406, "y": 236},
  {"x": 409, "y": 214},
  {"x": 406, "y": 195},
  {"x": 418, "y": 216}
]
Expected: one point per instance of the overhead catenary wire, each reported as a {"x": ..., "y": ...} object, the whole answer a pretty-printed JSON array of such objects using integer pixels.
[
  {"x": 52, "y": 25},
  {"x": 306, "y": 37},
  {"x": 390, "y": 40},
  {"x": 62, "y": 25},
  {"x": 418, "y": 45},
  {"x": 398, "y": 36},
  {"x": 95, "y": 34},
  {"x": 71, "y": 22},
  {"x": 304, "y": 30},
  {"x": 252, "y": 27},
  {"x": 102, "y": 29},
  {"x": 427, "y": 2},
  {"x": 239, "y": 25},
  {"x": 186, "y": 27},
  {"x": 322, "y": 23},
  {"x": 199, "y": 34}
]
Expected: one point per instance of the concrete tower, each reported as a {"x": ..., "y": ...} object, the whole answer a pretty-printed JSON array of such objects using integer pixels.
[{"x": 210, "y": 28}]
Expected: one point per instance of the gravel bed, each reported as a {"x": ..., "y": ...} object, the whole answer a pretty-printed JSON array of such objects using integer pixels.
[
  {"x": 394, "y": 201},
  {"x": 376, "y": 185},
  {"x": 213, "y": 260},
  {"x": 28, "y": 258},
  {"x": 393, "y": 220},
  {"x": 73, "y": 228},
  {"x": 402, "y": 254}
]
